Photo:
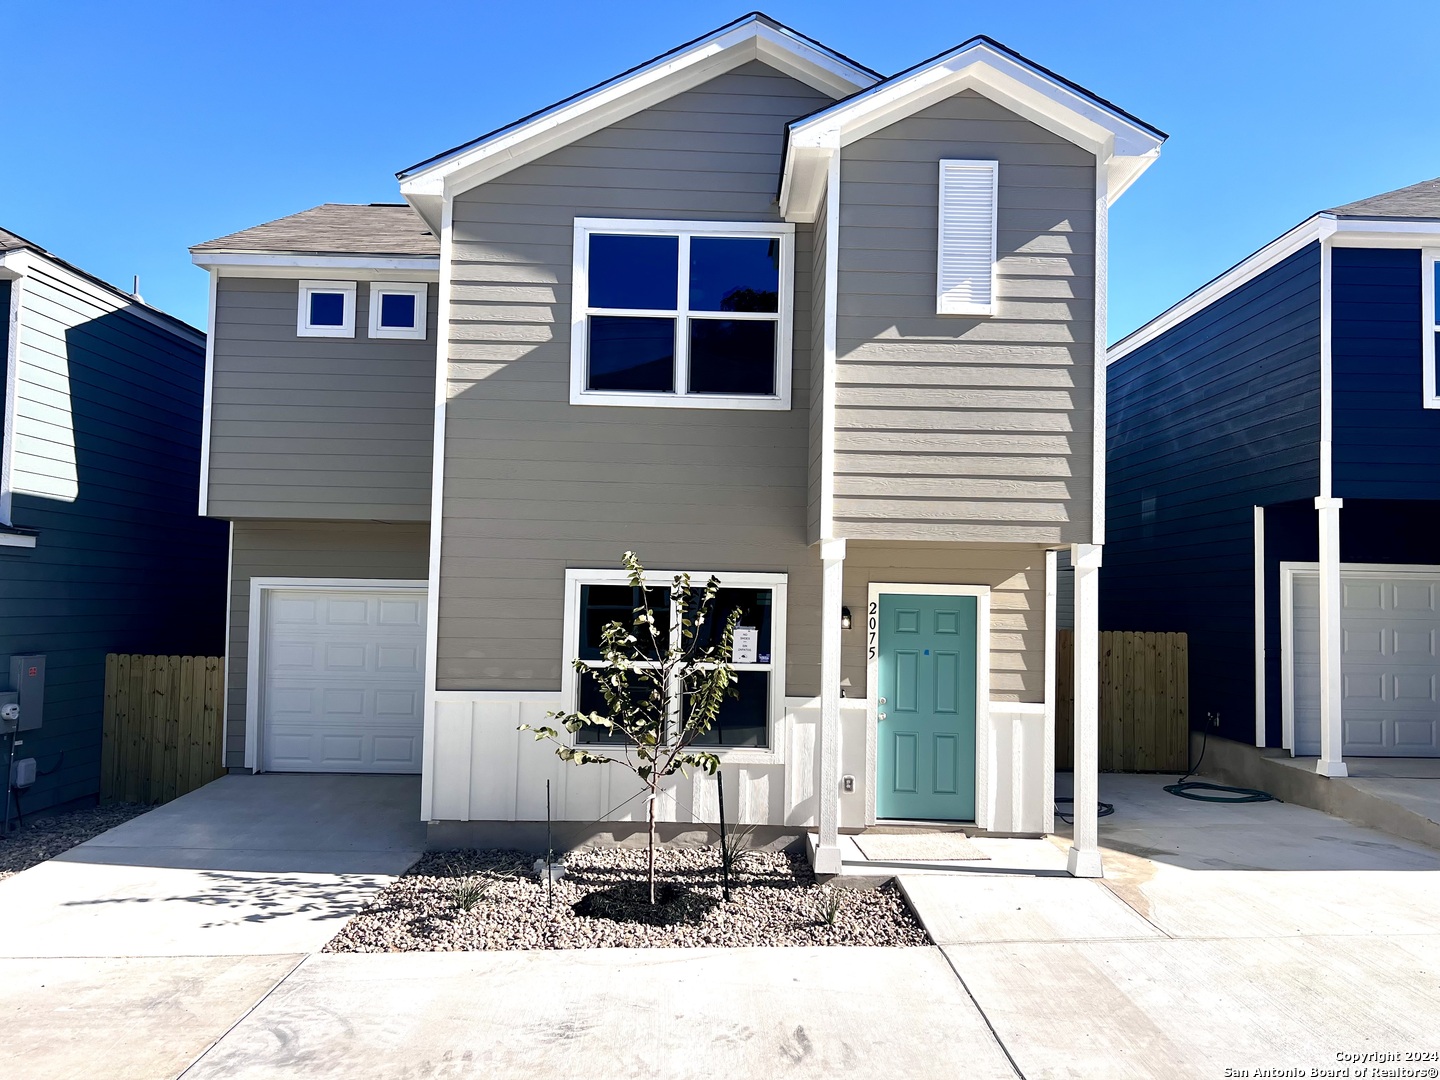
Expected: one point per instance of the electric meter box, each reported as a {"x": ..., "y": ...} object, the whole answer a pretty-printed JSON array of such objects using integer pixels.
[{"x": 27, "y": 678}]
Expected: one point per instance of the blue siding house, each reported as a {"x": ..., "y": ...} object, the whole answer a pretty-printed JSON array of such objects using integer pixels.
[
  {"x": 101, "y": 545},
  {"x": 1274, "y": 486}
]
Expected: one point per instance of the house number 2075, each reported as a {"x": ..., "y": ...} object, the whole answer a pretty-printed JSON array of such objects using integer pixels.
[{"x": 872, "y": 627}]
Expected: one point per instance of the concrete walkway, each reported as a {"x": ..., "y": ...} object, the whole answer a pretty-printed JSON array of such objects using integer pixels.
[{"x": 131, "y": 954}]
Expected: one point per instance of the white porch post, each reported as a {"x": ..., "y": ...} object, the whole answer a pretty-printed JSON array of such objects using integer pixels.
[
  {"x": 1331, "y": 761},
  {"x": 1084, "y": 860},
  {"x": 827, "y": 851}
]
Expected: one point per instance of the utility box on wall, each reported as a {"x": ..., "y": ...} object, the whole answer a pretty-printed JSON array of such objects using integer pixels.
[{"x": 27, "y": 678}]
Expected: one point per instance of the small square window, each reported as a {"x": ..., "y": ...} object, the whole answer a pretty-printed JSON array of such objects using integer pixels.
[
  {"x": 397, "y": 309},
  {"x": 326, "y": 309}
]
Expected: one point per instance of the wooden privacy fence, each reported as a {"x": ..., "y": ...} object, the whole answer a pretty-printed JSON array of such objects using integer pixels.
[
  {"x": 162, "y": 733},
  {"x": 1144, "y": 702}
]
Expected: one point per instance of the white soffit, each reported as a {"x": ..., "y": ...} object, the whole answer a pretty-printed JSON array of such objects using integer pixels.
[
  {"x": 1125, "y": 146},
  {"x": 425, "y": 186}
]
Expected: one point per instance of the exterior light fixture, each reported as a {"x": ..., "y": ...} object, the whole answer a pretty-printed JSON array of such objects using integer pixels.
[{"x": 844, "y": 618}]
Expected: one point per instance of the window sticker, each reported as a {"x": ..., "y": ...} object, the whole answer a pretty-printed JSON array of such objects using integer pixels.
[{"x": 746, "y": 645}]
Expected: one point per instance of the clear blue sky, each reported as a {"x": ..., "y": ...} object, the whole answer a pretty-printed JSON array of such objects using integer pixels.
[{"x": 133, "y": 130}]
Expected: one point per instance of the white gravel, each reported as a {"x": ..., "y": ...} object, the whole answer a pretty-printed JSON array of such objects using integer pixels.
[
  {"x": 775, "y": 900},
  {"x": 45, "y": 837}
]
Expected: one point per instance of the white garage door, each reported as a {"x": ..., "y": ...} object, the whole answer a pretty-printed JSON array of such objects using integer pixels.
[
  {"x": 344, "y": 680},
  {"x": 1390, "y": 641}
]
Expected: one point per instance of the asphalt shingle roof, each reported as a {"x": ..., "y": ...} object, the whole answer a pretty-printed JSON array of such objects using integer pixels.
[
  {"x": 1420, "y": 200},
  {"x": 335, "y": 229}
]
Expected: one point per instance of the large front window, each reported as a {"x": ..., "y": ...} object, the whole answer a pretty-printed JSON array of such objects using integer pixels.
[
  {"x": 597, "y": 597},
  {"x": 691, "y": 315}
]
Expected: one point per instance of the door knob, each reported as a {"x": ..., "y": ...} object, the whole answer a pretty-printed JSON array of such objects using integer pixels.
[
  {"x": 881, "y": 716},
  {"x": 882, "y": 701}
]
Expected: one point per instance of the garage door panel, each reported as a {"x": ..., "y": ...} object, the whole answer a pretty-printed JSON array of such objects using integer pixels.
[
  {"x": 343, "y": 678},
  {"x": 1390, "y": 665}
]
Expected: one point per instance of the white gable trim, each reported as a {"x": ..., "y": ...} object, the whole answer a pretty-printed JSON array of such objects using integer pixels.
[
  {"x": 1126, "y": 148},
  {"x": 611, "y": 102}
]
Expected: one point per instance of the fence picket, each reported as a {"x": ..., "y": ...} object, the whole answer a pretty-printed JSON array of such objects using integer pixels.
[
  {"x": 161, "y": 724},
  {"x": 1144, "y": 686}
]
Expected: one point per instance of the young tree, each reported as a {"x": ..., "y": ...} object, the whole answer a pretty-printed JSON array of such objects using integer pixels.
[{"x": 662, "y": 690}]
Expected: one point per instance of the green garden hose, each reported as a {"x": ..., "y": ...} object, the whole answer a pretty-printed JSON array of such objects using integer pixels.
[{"x": 1193, "y": 788}]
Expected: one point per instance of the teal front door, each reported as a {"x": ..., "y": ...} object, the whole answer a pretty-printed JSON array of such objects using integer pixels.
[{"x": 925, "y": 706}]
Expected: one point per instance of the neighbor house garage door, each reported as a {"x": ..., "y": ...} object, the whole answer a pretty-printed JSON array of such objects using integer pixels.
[
  {"x": 1390, "y": 630},
  {"x": 343, "y": 678}
]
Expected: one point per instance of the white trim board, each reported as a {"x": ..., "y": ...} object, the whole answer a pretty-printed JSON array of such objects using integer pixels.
[
  {"x": 239, "y": 264},
  {"x": 7, "y": 403},
  {"x": 982, "y": 687},
  {"x": 1429, "y": 325},
  {"x": 1259, "y": 645},
  {"x": 1324, "y": 227},
  {"x": 259, "y": 588},
  {"x": 203, "y": 503},
  {"x": 426, "y": 184}
]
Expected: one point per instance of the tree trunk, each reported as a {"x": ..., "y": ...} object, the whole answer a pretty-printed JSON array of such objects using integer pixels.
[{"x": 651, "y": 859}]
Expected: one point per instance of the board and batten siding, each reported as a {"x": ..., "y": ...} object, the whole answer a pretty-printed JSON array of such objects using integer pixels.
[
  {"x": 953, "y": 427},
  {"x": 307, "y": 549},
  {"x": 317, "y": 427},
  {"x": 534, "y": 485},
  {"x": 1219, "y": 414},
  {"x": 106, "y": 469},
  {"x": 1386, "y": 445}
]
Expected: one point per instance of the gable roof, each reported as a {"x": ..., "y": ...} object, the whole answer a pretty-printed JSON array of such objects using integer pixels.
[
  {"x": 1126, "y": 144},
  {"x": 1418, "y": 201},
  {"x": 754, "y": 36},
  {"x": 1409, "y": 216},
  {"x": 333, "y": 229}
]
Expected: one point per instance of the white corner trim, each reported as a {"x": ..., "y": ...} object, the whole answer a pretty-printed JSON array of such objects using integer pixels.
[
  {"x": 16, "y": 540},
  {"x": 1100, "y": 332},
  {"x": 1287, "y": 651},
  {"x": 258, "y": 264},
  {"x": 260, "y": 588},
  {"x": 1429, "y": 324},
  {"x": 1324, "y": 451},
  {"x": 680, "y": 397},
  {"x": 379, "y": 290},
  {"x": 229, "y": 638},
  {"x": 437, "y": 508},
  {"x": 203, "y": 502},
  {"x": 1259, "y": 583},
  {"x": 1272, "y": 254},
  {"x": 7, "y": 403},
  {"x": 1052, "y": 630},
  {"x": 509, "y": 148},
  {"x": 829, "y": 352},
  {"x": 982, "y": 687},
  {"x": 303, "y": 326}
]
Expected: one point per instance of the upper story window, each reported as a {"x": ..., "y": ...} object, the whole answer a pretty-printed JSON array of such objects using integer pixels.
[
  {"x": 1430, "y": 323},
  {"x": 690, "y": 315},
  {"x": 965, "y": 272},
  {"x": 397, "y": 309},
  {"x": 327, "y": 309}
]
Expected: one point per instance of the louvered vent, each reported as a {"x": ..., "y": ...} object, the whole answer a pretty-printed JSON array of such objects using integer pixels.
[{"x": 966, "y": 275}]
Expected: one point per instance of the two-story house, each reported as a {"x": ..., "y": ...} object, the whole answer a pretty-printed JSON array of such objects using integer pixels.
[
  {"x": 749, "y": 308},
  {"x": 1274, "y": 470},
  {"x": 101, "y": 550}
]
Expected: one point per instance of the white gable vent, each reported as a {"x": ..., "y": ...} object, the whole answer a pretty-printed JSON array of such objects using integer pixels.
[{"x": 965, "y": 282}]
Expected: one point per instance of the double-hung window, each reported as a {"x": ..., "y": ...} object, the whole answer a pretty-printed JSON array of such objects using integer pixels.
[
  {"x": 597, "y": 597},
  {"x": 1430, "y": 324},
  {"x": 682, "y": 314}
]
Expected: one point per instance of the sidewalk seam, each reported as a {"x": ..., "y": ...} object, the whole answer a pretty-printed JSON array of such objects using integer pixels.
[
  {"x": 244, "y": 1016},
  {"x": 1015, "y": 1065}
]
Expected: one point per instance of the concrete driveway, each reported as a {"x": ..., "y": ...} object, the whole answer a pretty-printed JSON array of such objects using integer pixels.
[{"x": 129, "y": 955}]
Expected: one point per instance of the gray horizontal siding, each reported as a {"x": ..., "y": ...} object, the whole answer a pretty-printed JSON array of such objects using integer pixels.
[
  {"x": 337, "y": 428},
  {"x": 307, "y": 549},
  {"x": 106, "y": 468},
  {"x": 534, "y": 485},
  {"x": 1016, "y": 576},
  {"x": 952, "y": 428}
]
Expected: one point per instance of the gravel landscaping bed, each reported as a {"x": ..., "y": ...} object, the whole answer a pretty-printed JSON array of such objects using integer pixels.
[
  {"x": 461, "y": 900},
  {"x": 44, "y": 838}
]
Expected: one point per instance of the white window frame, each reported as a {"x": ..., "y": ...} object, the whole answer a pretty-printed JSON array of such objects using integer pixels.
[
  {"x": 1429, "y": 325},
  {"x": 778, "y": 584},
  {"x": 680, "y": 398},
  {"x": 945, "y": 305},
  {"x": 380, "y": 289},
  {"x": 303, "y": 326}
]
